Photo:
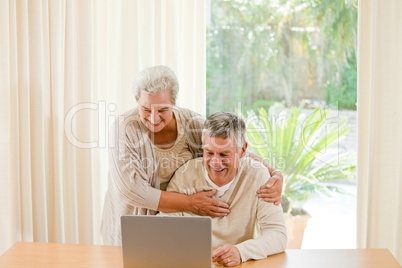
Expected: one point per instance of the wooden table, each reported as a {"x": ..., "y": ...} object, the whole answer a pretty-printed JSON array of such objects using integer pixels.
[{"x": 24, "y": 254}]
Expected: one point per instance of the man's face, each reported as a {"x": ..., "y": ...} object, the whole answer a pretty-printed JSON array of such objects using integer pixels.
[{"x": 221, "y": 159}]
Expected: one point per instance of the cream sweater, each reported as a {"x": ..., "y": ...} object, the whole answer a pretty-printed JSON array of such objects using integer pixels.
[
  {"x": 133, "y": 180},
  {"x": 246, "y": 209}
]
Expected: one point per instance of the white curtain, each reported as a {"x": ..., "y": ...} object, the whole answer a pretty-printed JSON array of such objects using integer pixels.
[
  {"x": 379, "y": 208},
  {"x": 66, "y": 71}
]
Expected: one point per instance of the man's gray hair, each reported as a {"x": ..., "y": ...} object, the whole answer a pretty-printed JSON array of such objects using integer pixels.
[
  {"x": 226, "y": 125},
  {"x": 156, "y": 79}
]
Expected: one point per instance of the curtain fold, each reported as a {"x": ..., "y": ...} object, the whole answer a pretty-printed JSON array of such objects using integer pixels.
[
  {"x": 66, "y": 73},
  {"x": 379, "y": 201},
  {"x": 7, "y": 202}
]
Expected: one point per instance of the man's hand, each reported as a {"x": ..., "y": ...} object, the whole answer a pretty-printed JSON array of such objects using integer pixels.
[
  {"x": 201, "y": 203},
  {"x": 227, "y": 255},
  {"x": 273, "y": 190}
]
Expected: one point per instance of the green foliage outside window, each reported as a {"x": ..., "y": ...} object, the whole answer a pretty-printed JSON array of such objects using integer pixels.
[
  {"x": 296, "y": 143},
  {"x": 274, "y": 50},
  {"x": 345, "y": 93}
]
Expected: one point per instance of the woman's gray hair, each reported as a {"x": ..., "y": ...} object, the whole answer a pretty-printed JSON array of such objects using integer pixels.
[
  {"x": 226, "y": 125},
  {"x": 156, "y": 79}
]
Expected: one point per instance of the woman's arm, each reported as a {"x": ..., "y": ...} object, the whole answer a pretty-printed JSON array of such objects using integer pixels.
[
  {"x": 199, "y": 203},
  {"x": 273, "y": 191},
  {"x": 130, "y": 179}
]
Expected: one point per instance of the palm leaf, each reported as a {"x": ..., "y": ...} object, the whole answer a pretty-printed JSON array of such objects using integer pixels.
[{"x": 299, "y": 140}]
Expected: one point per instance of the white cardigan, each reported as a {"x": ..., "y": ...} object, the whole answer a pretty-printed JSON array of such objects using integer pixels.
[{"x": 133, "y": 181}]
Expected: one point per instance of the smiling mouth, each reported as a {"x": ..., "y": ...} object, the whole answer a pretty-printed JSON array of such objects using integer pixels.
[
  {"x": 155, "y": 124},
  {"x": 218, "y": 170}
]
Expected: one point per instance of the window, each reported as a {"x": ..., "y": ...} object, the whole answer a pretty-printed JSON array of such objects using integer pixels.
[{"x": 287, "y": 56}]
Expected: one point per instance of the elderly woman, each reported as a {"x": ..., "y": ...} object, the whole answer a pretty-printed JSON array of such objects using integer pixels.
[{"x": 150, "y": 143}]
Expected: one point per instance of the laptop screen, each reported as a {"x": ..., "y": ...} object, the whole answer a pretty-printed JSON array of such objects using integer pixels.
[{"x": 164, "y": 241}]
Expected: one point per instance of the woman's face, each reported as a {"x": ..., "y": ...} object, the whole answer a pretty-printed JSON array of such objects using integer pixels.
[{"x": 155, "y": 109}]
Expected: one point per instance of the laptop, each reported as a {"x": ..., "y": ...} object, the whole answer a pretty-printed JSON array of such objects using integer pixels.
[{"x": 166, "y": 241}]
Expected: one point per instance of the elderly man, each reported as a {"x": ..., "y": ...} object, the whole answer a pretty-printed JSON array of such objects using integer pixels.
[{"x": 236, "y": 178}]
